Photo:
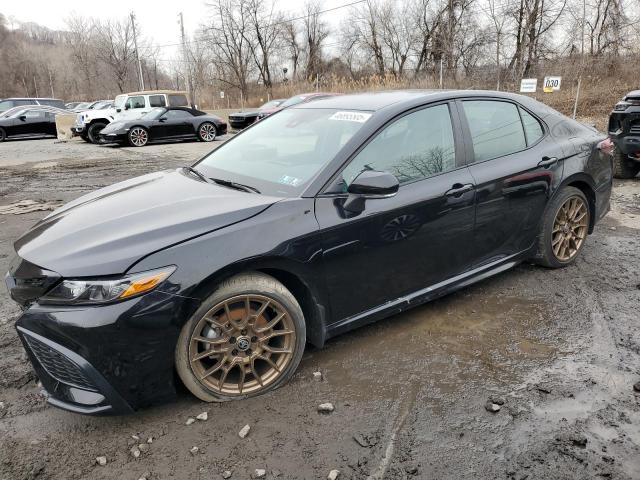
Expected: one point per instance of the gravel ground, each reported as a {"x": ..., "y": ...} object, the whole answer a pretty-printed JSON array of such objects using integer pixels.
[{"x": 556, "y": 352}]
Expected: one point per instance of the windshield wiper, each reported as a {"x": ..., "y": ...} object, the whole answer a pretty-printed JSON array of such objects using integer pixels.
[
  {"x": 236, "y": 185},
  {"x": 197, "y": 173}
]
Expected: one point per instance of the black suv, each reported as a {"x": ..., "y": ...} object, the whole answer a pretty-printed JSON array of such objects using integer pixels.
[
  {"x": 624, "y": 130},
  {"x": 8, "y": 103}
]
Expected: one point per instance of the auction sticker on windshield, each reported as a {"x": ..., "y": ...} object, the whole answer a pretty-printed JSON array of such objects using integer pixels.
[{"x": 359, "y": 117}]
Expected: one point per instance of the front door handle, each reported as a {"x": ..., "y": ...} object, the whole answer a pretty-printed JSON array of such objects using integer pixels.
[
  {"x": 547, "y": 161},
  {"x": 457, "y": 189}
]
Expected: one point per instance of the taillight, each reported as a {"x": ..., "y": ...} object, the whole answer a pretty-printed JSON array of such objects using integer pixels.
[{"x": 606, "y": 146}]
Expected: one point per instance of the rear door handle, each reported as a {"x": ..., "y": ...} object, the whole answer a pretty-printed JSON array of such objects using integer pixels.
[
  {"x": 457, "y": 189},
  {"x": 547, "y": 161}
]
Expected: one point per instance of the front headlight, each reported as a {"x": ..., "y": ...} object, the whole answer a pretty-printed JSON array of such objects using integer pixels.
[
  {"x": 621, "y": 106},
  {"x": 97, "y": 291}
]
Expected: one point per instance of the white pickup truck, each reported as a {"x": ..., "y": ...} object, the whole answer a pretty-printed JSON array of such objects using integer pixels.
[{"x": 126, "y": 106}]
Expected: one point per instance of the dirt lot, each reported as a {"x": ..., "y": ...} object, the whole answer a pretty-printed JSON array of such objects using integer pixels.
[{"x": 560, "y": 350}]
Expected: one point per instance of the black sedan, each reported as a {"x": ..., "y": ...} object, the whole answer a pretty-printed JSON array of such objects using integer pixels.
[
  {"x": 173, "y": 123},
  {"x": 240, "y": 120},
  {"x": 29, "y": 122},
  {"x": 322, "y": 218}
]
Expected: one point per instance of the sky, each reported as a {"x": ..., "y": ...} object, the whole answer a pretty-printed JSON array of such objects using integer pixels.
[{"x": 158, "y": 20}]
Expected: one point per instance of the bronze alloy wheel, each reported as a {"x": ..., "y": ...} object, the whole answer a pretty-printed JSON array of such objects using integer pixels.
[
  {"x": 569, "y": 228},
  {"x": 242, "y": 345}
]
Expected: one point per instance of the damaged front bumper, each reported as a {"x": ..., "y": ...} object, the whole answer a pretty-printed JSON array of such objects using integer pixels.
[{"x": 99, "y": 359}]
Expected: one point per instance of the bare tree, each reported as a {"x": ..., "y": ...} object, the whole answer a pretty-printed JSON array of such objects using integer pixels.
[
  {"x": 227, "y": 38},
  {"x": 315, "y": 32}
]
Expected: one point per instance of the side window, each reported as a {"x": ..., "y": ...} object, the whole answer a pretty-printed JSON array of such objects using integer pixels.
[
  {"x": 532, "y": 128},
  {"x": 178, "y": 101},
  {"x": 416, "y": 146},
  {"x": 135, "y": 102},
  {"x": 157, "y": 101},
  {"x": 34, "y": 114},
  {"x": 176, "y": 114},
  {"x": 496, "y": 128}
]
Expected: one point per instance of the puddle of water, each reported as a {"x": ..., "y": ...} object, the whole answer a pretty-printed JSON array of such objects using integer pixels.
[{"x": 443, "y": 346}]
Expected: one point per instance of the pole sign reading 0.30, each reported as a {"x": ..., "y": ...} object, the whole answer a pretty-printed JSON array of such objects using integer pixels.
[{"x": 552, "y": 84}]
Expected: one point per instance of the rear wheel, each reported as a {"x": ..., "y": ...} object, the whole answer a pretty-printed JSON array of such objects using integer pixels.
[
  {"x": 138, "y": 137},
  {"x": 207, "y": 132},
  {"x": 3, "y": 135},
  {"x": 246, "y": 339},
  {"x": 93, "y": 132},
  {"x": 565, "y": 228},
  {"x": 623, "y": 167}
]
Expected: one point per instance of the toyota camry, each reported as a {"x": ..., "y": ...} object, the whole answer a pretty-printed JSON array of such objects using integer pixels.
[{"x": 322, "y": 218}]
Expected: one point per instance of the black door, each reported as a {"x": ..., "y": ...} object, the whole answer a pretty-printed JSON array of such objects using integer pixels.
[
  {"x": 516, "y": 167},
  {"x": 29, "y": 122},
  {"x": 174, "y": 123},
  {"x": 413, "y": 240}
]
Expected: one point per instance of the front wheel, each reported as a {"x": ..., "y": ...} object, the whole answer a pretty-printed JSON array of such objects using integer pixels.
[
  {"x": 3, "y": 135},
  {"x": 565, "y": 226},
  {"x": 207, "y": 132},
  {"x": 623, "y": 167},
  {"x": 93, "y": 132},
  {"x": 246, "y": 339},
  {"x": 138, "y": 137}
]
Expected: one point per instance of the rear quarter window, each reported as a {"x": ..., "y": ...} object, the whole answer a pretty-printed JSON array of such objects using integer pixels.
[
  {"x": 178, "y": 100},
  {"x": 157, "y": 101}
]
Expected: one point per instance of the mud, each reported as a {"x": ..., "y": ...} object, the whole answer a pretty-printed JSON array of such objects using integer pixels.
[{"x": 559, "y": 348}]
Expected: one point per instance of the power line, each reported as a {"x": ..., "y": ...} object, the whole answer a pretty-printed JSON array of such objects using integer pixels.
[{"x": 281, "y": 22}]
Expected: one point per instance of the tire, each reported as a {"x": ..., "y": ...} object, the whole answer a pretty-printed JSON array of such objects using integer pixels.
[
  {"x": 623, "y": 167},
  {"x": 207, "y": 132},
  {"x": 94, "y": 130},
  {"x": 3, "y": 135},
  {"x": 231, "y": 329},
  {"x": 85, "y": 137},
  {"x": 138, "y": 137},
  {"x": 560, "y": 241}
]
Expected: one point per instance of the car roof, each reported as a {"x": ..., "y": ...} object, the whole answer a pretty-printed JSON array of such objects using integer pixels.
[
  {"x": 192, "y": 111},
  {"x": 29, "y": 98},
  {"x": 157, "y": 92},
  {"x": 374, "y": 101}
]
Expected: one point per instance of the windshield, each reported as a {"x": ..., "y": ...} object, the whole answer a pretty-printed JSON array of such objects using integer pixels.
[
  {"x": 5, "y": 105},
  {"x": 154, "y": 113},
  {"x": 119, "y": 101},
  {"x": 281, "y": 154},
  {"x": 293, "y": 101},
  {"x": 270, "y": 105}
]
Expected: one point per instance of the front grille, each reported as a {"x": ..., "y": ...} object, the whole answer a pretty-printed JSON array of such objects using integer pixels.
[
  {"x": 59, "y": 366},
  {"x": 635, "y": 129}
]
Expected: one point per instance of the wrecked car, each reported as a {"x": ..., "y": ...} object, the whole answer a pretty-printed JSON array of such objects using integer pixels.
[{"x": 322, "y": 218}]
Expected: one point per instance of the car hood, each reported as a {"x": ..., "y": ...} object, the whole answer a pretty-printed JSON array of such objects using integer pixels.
[
  {"x": 248, "y": 113},
  {"x": 107, "y": 231},
  {"x": 89, "y": 115}
]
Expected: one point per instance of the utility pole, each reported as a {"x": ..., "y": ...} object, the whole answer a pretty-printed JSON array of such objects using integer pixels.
[
  {"x": 51, "y": 83},
  {"x": 185, "y": 59},
  {"x": 584, "y": 19},
  {"x": 135, "y": 43}
]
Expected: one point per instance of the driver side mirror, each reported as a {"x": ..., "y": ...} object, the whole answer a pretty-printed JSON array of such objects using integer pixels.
[
  {"x": 370, "y": 184},
  {"x": 162, "y": 119},
  {"x": 127, "y": 107},
  {"x": 22, "y": 117}
]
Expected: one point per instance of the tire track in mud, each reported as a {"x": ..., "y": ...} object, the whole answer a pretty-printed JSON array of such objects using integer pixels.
[{"x": 404, "y": 408}]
